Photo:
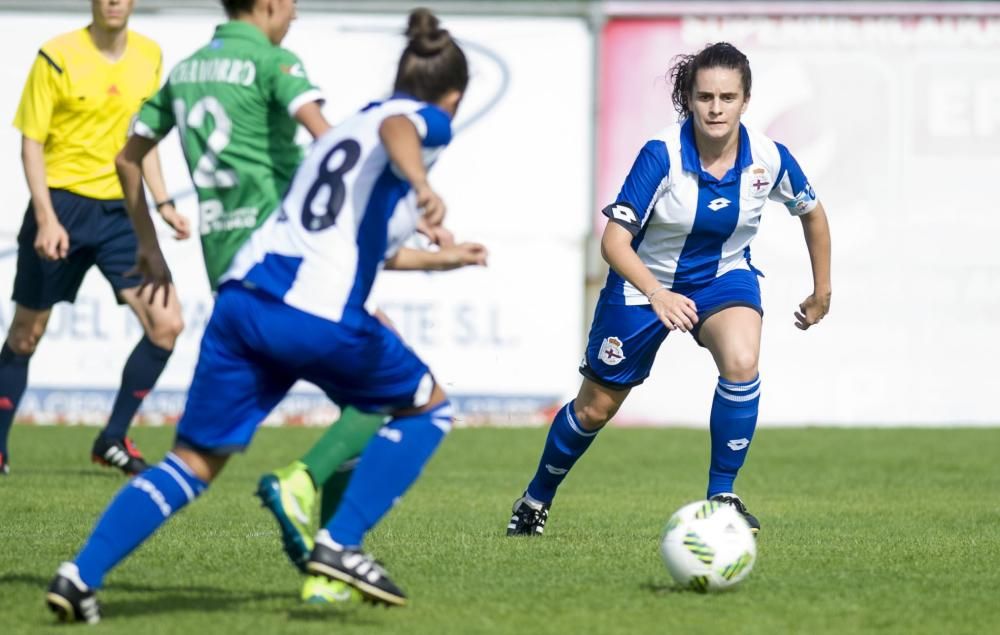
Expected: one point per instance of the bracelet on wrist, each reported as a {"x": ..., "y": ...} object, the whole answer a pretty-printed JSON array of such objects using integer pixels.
[
  {"x": 162, "y": 204},
  {"x": 649, "y": 296}
]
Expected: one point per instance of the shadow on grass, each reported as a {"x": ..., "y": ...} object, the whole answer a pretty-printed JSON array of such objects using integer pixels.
[
  {"x": 74, "y": 472},
  {"x": 359, "y": 615},
  {"x": 164, "y": 598},
  {"x": 663, "y": 588}
]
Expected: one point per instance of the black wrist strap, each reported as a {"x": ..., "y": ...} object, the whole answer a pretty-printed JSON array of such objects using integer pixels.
[{"x": 169, "y": 201}]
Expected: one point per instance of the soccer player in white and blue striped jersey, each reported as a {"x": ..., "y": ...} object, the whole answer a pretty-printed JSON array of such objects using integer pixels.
[
  {"x": 678, "y": 242},
  {"x": 291, "y": 306}
]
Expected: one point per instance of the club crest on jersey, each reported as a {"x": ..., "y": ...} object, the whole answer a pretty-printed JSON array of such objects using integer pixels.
[
  {"x": 295, "y": 70},
  {"x": 611, "y": 351},
  {"x": 760, "y": 181}
]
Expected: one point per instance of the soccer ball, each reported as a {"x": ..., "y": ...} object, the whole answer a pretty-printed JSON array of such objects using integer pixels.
[{"x": 707, "y": 546}]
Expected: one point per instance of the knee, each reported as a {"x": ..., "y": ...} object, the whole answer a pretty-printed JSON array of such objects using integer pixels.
[
  {"x": 166, "y": 331},
  {"x": 23, "y": 340},
  {"x": 741, "y": 367},
  {"x": 593, "y": 415}
]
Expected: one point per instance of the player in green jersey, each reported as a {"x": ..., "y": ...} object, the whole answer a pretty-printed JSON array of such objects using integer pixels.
[{"x": 236, "y": 103}]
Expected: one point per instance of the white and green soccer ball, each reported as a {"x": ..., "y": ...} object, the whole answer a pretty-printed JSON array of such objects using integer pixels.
[{"x": 707, "y": 546}]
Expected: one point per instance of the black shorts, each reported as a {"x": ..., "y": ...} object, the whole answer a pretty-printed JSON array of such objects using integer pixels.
[{"x": 99, "y": 233}]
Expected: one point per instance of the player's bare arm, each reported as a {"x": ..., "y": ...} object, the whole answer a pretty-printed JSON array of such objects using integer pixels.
[
  {"x": 52, "y": 240},
  {"x": 311, "y": 117},
  {"x": 674, "y": 310},
  {"x": 149, "y": 261},
  {"x": 816, "y": 229},
  {"x": 402, "y": 143},
  {"x": 444, "y": 259},
  {"x": 153, "y": 175}
]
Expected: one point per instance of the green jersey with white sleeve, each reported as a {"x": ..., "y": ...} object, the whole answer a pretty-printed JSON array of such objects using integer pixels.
[{"x": 233, "y": 102}]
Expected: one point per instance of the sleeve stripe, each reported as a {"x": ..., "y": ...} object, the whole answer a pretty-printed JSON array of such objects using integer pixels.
[
  {"x": 419, "y": 123},
  {"x": 51, "y": 62},
  {"x": 310, "y": 95},
  {"x": 141, "y": 129}
]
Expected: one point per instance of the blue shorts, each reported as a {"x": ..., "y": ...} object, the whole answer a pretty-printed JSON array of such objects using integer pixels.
[
  {"x": 255, "y": 347},
  {"x": 99, "y": 233},
  {"x": 624, "y": 339}
]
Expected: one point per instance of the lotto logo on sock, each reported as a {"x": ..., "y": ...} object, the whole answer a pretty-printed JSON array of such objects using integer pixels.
[
  {"x": 738, "y": 444},
  {"x": 555, "y": 471}
]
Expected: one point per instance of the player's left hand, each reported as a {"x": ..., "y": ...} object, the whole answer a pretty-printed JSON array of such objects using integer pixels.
[
  {"x": 812, "y": 310},
  {"x": 177, "y": 221},
  {"x": 152, "y": 267},
  {"x": 463, "y": 255}
]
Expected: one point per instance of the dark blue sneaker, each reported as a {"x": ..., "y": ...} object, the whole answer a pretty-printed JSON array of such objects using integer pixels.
[{"x": 70, "y": 599}]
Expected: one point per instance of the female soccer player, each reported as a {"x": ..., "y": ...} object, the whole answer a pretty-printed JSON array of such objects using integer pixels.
[
  {"x": 678, "y": 243},
  {"x": 290, "y": 307}
]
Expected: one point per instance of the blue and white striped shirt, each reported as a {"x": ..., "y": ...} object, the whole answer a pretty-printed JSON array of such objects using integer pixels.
[
  {"x": 321, "y": 251},
  {"x": 691, "y": 227}
]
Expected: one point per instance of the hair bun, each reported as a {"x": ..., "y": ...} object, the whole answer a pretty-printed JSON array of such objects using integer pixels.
[{"x": 426, "y": 36}]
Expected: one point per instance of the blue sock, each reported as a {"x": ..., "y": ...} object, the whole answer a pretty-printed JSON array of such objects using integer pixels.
[
  {"x": 13, "y": 381},
  {"x": 139, "y": 376},
  {"x": 391, "y": 463},
  {"x": 734, "y": 418},
  {"x": 135, "y": 513},
  {"x": 566, "y": 443}
]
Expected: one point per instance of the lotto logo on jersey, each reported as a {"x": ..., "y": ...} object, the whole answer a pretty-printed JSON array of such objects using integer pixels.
[
  {"x": 622, "y": 212},
  {"x": 718, "y": 204},
  {"x": 611, "y": 352}
]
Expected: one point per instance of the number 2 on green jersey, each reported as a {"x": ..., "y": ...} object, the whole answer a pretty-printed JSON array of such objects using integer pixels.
[{"x": 206, "y": 172}]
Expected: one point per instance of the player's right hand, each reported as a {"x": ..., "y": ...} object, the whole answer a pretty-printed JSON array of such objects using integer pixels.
[
  {"x": 677, "y": 312},
  {"x": 52, "y": 241},
  {"x": 152, "y": 267},
  {"x": 431, "y": 204},
  {"x": 177, "y": 221}
]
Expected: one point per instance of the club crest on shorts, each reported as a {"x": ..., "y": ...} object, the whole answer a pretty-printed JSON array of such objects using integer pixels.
[{"x": 611, "y": 351}]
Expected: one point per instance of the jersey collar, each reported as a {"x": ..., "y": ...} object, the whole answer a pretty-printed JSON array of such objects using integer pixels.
[
  {"x": 692, "y": 163},
  {"x": 239, "y": 30}
]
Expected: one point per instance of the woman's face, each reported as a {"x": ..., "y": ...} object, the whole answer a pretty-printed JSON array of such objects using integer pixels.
[{"x": 717, "y": 102}]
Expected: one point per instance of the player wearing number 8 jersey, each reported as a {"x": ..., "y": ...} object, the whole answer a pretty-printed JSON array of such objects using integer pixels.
[
  {"x": 236, "y": 103},
  {"x": 290, "y": 307},
  {"x": 678, "y": 243}
]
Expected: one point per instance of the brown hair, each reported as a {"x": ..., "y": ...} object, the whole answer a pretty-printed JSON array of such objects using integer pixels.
[
  {"x": 432, "y": 63},
  {"x": 685, "y": 67}
]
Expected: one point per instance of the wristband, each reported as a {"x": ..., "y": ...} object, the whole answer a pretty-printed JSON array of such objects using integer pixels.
[{"x": 169, "y": 201}]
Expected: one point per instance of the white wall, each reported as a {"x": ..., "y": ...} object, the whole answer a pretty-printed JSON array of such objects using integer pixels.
[{"x": 514, "y": 178}]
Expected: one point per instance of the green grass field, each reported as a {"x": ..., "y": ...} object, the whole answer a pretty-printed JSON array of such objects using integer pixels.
[{"x": 884, "y": 531}]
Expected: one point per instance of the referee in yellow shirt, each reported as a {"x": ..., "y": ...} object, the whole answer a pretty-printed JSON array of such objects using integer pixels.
[{"x": 83, "y": 90}]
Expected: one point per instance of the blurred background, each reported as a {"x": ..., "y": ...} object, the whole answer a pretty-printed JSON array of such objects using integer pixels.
[{"x": 892, "y": 109}]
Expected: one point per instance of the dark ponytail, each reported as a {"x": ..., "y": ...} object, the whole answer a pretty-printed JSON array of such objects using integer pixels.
[
  {"x": 432, "y": 63},
  {"x": 686, "y": 67}
]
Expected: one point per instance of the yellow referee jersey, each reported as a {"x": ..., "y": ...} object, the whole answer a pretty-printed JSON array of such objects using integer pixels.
[{"x": 79, "y": 104}]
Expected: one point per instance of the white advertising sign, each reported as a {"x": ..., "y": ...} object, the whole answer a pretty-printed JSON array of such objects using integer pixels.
[{"x": 515, "y": 178}]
